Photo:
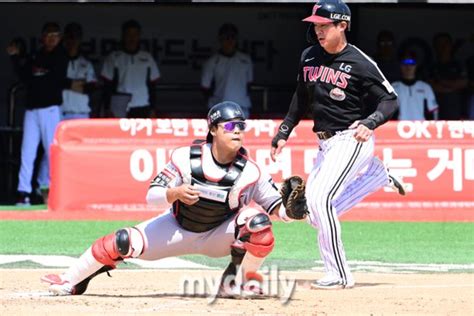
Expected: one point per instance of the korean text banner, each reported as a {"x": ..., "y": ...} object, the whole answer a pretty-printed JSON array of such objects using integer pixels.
[{"x": 107, "y": 164}]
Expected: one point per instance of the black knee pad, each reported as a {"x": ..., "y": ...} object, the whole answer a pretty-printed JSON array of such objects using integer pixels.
[
  {"x": 130, "y": 242},
  {"x": 259, "y": 222},
  {"x": 122, "y": 238}
]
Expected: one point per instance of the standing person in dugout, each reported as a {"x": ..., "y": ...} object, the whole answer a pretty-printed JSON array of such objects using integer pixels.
[
  {"x": 131, "y": 73},
  {"x": 81, "y": 73},
  {"x": 206, "y": 187},
  {"x": 333, "y": 79},
  {"x": 228, "y": 74},
  {"x": 416, "y": 98},
  {"x": 44, "y": 75}
]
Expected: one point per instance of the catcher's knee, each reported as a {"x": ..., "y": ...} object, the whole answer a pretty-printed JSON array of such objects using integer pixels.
[
  {"x": 261, "y": 243},
  {"x": 124, "y": 243},
  {"x": 256, "y": 235}
]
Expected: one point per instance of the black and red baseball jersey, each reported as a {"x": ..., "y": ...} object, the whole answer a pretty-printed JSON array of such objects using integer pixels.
[{"x": 338, "y": 88}]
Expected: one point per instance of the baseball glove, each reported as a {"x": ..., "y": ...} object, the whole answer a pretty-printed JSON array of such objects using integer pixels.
[{"x": 293, "y": 196}]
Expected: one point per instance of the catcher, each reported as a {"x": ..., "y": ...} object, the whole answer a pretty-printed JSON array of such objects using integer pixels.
[{"x": 206, "y": 187}]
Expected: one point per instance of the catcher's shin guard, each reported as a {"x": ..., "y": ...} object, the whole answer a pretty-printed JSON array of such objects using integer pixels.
[
  {"x": 81, "y": 287},
  {"x": 255, "y": 237},
  {"x": 125, "y": 243},
  {"x": 229, "y": 273}
]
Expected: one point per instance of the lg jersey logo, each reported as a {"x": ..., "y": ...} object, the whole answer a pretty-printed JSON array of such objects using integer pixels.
[{"x": 337, "y": 94}]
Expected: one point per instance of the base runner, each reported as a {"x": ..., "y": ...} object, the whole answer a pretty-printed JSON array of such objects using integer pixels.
[{"x": 338, "y": 84}]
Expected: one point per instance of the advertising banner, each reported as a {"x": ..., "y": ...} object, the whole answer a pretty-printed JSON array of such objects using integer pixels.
[{"x": 107, "y": 164}]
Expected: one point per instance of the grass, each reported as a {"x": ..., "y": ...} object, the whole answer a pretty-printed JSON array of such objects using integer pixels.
[
  {"x": 35, "y": 207},
  {"x": 53, "y": 237},
  {"x": 295, "y": 246}
]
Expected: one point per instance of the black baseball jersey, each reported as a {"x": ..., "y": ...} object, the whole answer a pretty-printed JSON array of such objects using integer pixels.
[
  {"x": 338, "y": 88},
  {"x": 44, "y": 74}
]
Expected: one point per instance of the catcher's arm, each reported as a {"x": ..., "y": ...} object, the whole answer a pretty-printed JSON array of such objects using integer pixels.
[
  {"x": 165, "y": 180},
  {"x": 279, "y": 214}
]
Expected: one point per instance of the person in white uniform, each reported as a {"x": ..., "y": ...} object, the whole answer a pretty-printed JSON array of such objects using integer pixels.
[
  {"x": 81, "y": 73},
  {"x": 227, "y": 75},
  {"x": 132, "y": 73},
  {"x": 416, "y": 97},
  {"x": 206, "y": 188}
]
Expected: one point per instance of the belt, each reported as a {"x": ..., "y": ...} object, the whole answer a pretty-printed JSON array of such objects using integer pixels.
[{"x": 323, "y": 135}]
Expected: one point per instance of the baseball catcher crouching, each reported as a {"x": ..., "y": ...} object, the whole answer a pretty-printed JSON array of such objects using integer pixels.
[{"x": 206, "y": 188}]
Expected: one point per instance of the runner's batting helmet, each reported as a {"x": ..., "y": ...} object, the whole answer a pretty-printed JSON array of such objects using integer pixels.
[
  {"x": 222, "y": 112},
  {"x": 327, "y": 11}
]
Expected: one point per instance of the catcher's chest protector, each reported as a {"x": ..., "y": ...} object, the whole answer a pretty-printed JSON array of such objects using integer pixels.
[{"x": 215, "y": 203}]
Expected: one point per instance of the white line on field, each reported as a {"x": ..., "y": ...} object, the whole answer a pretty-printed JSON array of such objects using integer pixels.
[
  {"x": 425, "y": 286},
  {"x": 30, "y": 294},
  {"x": 66, "y": 261},
  {"x": 387, "y": 267},
  {"x": 177, "y": 263},
  {"x": 183, "y": 302}
]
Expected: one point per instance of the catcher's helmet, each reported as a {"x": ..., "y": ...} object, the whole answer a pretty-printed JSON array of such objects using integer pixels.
[
  {"x": 222, "y": 112},
  {"x": 328, "y": 11}
]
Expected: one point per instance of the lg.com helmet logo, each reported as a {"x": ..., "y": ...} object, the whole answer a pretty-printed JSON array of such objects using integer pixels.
[{"x": 338, "y": 16}]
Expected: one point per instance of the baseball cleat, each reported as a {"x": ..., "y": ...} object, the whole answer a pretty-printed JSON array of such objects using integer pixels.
[
  {"x": 244, "y": 292},
  {"x": 58, "y": 286},
  {"x": 331, "y": 284},
  {"x": 396, "y": 184},
  {"x": 61, "y": 290},
  {"x": 229, "y": 292},
  {"x": 23, "y": 199},
  {"x": 252, "y": 290}
]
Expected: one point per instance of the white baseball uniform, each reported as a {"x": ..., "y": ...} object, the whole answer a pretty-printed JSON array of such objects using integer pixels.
[
  {"x": 413, "y": 99},
  {"x": 134, "y": 72},
  {"x": 164, "y": 235},
  {"x": 337, "y": 183},
  {"x": 231, "y": 76},
  {"x": 75, "y": 104}
]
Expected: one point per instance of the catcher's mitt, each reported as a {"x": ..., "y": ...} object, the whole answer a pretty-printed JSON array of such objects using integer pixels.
[{"x": 293, "y": 196}]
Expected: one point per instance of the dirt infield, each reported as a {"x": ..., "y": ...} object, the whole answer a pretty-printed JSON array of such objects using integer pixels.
[{"x": 159, "y": 291}]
